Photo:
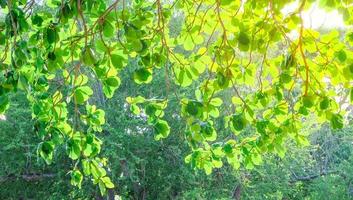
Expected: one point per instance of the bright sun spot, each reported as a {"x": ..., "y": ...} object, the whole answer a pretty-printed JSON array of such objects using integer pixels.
[{"x": 316, "y": 18}]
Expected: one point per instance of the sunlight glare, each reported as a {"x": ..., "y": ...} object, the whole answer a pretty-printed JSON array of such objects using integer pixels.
[{"x": 317, "y": 18}]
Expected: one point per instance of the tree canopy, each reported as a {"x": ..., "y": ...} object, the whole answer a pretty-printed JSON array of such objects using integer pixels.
[{"x": 251, "y": 66}]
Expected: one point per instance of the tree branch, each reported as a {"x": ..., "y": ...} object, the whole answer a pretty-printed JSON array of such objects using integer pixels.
[
  {"x": 311, "y": 177},
  {"x": 26, "y": 177}
]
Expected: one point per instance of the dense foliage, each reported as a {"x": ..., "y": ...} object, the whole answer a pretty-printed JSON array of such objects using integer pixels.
[{"x": 241, "y": 76}]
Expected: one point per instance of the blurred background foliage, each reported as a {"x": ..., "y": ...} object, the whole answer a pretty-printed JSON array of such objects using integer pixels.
[{"x": 143, "y": 168}]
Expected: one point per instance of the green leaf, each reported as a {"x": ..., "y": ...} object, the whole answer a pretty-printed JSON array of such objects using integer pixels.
[
  {"x": 86, "y": 167},
  {"x": 325, "y": 103},
  {"x": 76, "y": 178},
  {"x": 285, "y": 77},
  {"x": 208, "y": 131},
  {"x": 102, "y": 187},
  {"x": 74, "y": 149},
  {"x": 110, "y": 84},
  {"x": 228, "y": 149},
  {"x": 226, "y": 2},
  {"x": 113, "y": 81},
  {"x": 188, "y": 43},
  {"x": 208, "y": 167},
  {"x": 239, "y": 122},
  {"x": 117, "y": 61},
  {"x": 194, "y": 108},
  {"x": 150, "y": 110},
  {"x": 308, "y": 101},
  {"x": 135, "y": 109},
  {"x": 243, "y": 41},
  {"x": 46, "y": 151},
  {"x": 82, "y": 94},
  {"x": 107, "y": 182},
  {"x": 303, "y": 110},
  {"x": 336, "y": 121},
  {"x": 51, "y": 35},
  {"x": 137, "y": 45},
  {"x": 2, "y": 38},
  {"x": 162, "y": 129},
  {"x": 222, "y": 81},
  {"x": 135, "y": 100},
  {"x": 341, "y": 55},
  {"x": 143, "y": 75},
  {"x": 256, "y": 159},
  {"x": 302, "y": 140},
  {"x": 4, "y": 103},
  {"x": 37, "y": 20},
  {"x": 87, "y": 56},
  {"x": 108, "y": 91},
  {"x": 108, "y": 29},
  {"x": 183, "y": 76},
  {"x": 216, "y": 102},
  {"x": 96, "y": 170}
]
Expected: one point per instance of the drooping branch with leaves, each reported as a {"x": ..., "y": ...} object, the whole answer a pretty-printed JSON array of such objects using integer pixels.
[{"x": 252, "y": 66}]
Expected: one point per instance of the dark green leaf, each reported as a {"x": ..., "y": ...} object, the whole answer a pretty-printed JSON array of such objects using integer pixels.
[
  {"x": 324, "y": 104},
  {"x": 239, "y": 122},
  {"x": 336, "y": 121},
  {"x": 142, "y": 75}
]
